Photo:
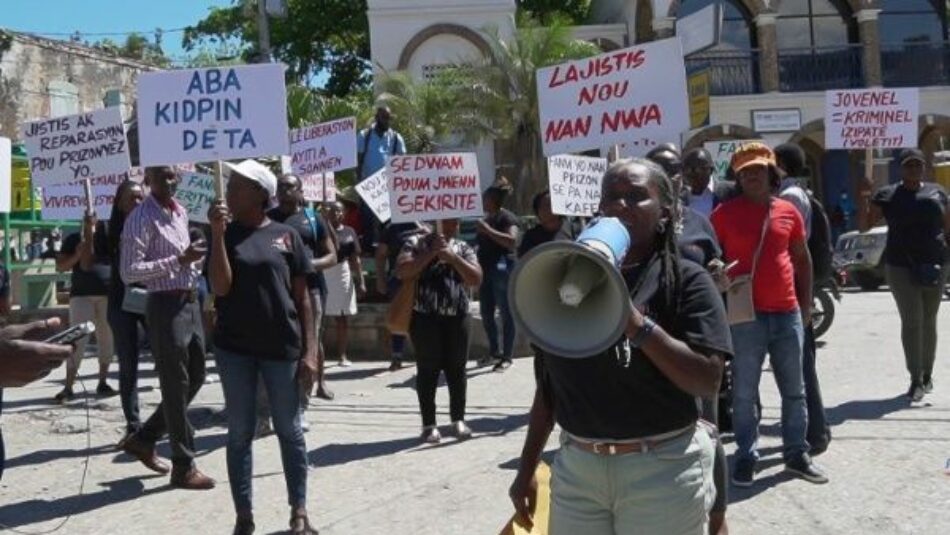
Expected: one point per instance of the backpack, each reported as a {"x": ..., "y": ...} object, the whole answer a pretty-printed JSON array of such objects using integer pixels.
[{"x": 819, "y": 243}]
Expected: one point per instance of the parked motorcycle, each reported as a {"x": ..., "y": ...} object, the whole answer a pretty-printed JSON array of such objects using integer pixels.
[{"x": 824, "y": 296}]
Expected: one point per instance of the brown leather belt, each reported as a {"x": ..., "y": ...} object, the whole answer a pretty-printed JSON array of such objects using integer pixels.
[{"x": 643, "y": 445}]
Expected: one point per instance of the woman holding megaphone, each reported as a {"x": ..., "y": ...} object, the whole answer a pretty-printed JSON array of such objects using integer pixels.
[{"x": 634, "y": 456}]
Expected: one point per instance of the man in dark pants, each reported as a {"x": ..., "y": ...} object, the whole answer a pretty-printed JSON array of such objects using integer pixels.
[{"x": 157, "y": 251}]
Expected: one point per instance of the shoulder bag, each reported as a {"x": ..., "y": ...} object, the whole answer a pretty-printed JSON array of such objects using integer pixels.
[{"x": 740, "y": 306}]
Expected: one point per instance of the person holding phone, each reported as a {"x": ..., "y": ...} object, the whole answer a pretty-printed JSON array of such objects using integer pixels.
[
  {"x": 264, "y": 332},
  {"x": 157, "y": 251}
]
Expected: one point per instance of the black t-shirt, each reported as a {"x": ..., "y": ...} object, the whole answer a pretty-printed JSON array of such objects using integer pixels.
[
  {"x": 537, "y": 235},
  {"x": 440, "y": 289},
  {"x": 258, "y": 317},
  {"x": 96, "y": 280},
  {"x": 305, "y": 226},
  {"x": 697, "y": 241},
  {"x": 620, "y": 394},
  {"x": 914, "y": 223},
  {"x": 489, "y": 252}
]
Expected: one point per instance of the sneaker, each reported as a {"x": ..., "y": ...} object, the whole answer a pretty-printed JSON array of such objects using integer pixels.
[
  {"x": 744, "y": 473},
  {"x": 106, "y": 391},
  {"x": 64, "y": 395},
  {"x": 344, "y": 362},
  {"x": 461, "y": 430},
  {"x": 915, "y": 392},
  {"x": 395, "y": 365},
  {"x": 501, "y": 365},
  {"x": 431, "y": 435},
  {"x": 803, "y": 467},
  {"x": 485, "y": 361},
  {"x": 928, "y": 384}
]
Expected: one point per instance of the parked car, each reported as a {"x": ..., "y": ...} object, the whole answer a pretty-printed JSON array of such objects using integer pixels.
[{"x": 861, "y": 255}]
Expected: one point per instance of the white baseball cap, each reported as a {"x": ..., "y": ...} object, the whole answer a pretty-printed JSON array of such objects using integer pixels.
[{"x": 256, "y": 171}]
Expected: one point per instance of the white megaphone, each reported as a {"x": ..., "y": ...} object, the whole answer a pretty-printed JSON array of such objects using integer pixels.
[{"x": 570, "y": 298}]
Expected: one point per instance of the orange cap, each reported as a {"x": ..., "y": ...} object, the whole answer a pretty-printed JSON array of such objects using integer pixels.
[{"x": 751, "y": 154}]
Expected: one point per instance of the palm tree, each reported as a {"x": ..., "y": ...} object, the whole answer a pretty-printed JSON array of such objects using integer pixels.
[{"x": 499, "y": 95}]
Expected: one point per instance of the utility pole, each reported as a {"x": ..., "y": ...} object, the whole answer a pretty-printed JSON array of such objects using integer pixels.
[{"x": 263, "y": 32}]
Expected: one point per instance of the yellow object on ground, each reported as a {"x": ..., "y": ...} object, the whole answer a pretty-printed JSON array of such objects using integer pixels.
[{"x": 542, "y": 512}]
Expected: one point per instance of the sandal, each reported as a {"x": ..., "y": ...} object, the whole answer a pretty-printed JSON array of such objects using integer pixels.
[{"x": 300, "y": 525}]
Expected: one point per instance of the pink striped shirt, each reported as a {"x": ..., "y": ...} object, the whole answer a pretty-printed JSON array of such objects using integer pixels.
[{"x": 152, "y": 240}]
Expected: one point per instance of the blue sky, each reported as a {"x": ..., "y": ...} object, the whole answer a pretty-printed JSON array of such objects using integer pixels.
[{"x": 98, "y": 16}]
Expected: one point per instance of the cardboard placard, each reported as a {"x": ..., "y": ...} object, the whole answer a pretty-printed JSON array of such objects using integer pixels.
[
  {"x": 6, "y": 176},
  {"x": 871, "y": 118},
  {"x": 319, "y": 188},
  {"x": 220, "y": 113},
  {"x": 323, "y": 148},
  {"x": 374, "y": 191},
  {"x": 722, "y": 152},
  {"x": 430, "y": 187},
  {"x": 635, "y": 96},
  {"x": 73, "y": 147},
  {"x": 575, "y": 184},
  {"x": 68, "y": 201},
  {"x": 196, "y": 193}
]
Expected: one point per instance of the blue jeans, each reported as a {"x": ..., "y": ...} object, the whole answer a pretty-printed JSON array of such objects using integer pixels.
[
  {"x": 493, "y": 294},
  {"x": 781, "y": 335},
  {"x": 239, "y": 375},
  {"x": 125, "y": 333}
]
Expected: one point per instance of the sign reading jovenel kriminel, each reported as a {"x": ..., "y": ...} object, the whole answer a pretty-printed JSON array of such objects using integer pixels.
[
  {"x": 430, "y": 187},
  {"x": 75, "y": 147},
  {"x": 323, "y": 148},
  {"x": 221, "y": 113},
  {"x": 636, "y": 96},
  {"x": 874, "y": 118},
  {"x": 575, "y": 184}
]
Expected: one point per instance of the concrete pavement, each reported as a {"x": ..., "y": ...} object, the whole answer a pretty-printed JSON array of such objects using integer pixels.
[{"x": 887, "y": 463}]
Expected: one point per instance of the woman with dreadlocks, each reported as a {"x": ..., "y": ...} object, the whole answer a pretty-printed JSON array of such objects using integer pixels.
[{"x": 634, "y": 456}]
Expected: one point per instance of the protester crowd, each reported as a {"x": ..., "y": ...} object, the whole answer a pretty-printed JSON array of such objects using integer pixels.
[{"x": 719, "y": 276}]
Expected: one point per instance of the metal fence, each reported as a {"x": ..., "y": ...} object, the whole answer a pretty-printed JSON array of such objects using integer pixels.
[
  {"x": 732, "y": 72},
  {"x": 817, "y": 69},
  {"x": 915, "y": 65}
]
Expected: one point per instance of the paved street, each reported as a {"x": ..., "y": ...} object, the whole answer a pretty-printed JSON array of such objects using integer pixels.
[{"x": 370, "y": 476}]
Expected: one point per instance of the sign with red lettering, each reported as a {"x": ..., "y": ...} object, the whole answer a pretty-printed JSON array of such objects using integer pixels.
[
  {"x": 323, "y": 148},
  {"x": 68, "y": 201},
  {"x": 635, "y": 96},
  {"x": 319, "y": 188},
  {"x": 871, "y": 118},
  {"x": 430, "y": 187}
]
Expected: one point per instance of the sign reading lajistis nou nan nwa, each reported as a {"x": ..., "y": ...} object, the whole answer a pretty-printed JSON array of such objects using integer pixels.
[
  {"x": 635, "y": 96},
  {"x": 323, "y": 148},
  {"x": 201, "y": 115},
  {"x": 74, "y": 147},
  {"x": 68, "y": 201},
  {"x": 575, "y": 184},
  {"x": 374, "y": 191},
  {"x": 871, "y": 118},
  {"x": 429, "y": 187},
  {"x": 195, "y": 193}
]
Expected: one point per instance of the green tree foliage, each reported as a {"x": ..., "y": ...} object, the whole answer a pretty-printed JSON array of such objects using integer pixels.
[
  {"x": 573, "y": 11},
  {"x": 137, "y": 47},
  {"x": 317, "y": 36}
]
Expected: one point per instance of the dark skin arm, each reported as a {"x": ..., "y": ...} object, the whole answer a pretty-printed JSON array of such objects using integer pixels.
[
  {"x": 801, "y": 261},
  {"x": 356, "y": 268},
  {"x": 219, "y": 269},
  {"x": 692, "y": 372},
  {"x": 328, "y": 260},
  {"x": 307, "y": 368},
  {"x": 382, "y": 253},
  {"x": 86, "y": 245},
  {"x": 506, "y": 239},
  {"x": 470, "y": 272},
  {"x": 523, "y": 490},
  {"x": 410, "y": 265}
]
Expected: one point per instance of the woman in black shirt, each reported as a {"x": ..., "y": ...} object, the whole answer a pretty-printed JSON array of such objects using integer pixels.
[
  {"x": 550, "y": 227},
  {"x": 264, "y": 330},
  {"x": 633, "y": 456},
  {"x": 444, "y": 269},
  {"x": 915, "y": 259}
]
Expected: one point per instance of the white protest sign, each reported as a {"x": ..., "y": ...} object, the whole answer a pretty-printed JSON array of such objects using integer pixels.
[
  {"x": 635, "y": 96},
  {"x": 374, "y": 191},
  {"x": 196, "y": 193},
  {"x": 871, "y": 118},
  {"x": 722, "y": 152},
  {"x": 575, "y": 184},
  {"x": 6, "y": 176},
  {"x": 221, "y": 113},
  {"x": 68, "y": 201},
  {"x": 430, "y": 187},
  {"x": 74, "y": 147},
  {"x": 323, "y": 148},
  {"x": 319, "y": 188}
]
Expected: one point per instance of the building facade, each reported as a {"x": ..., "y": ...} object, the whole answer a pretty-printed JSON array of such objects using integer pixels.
[
  {"x": 46, "y": 78},
  {"x": 768, "y": 73}
]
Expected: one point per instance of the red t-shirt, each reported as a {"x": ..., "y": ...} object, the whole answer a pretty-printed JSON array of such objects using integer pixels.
[{"x": 738, "y": 225}]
